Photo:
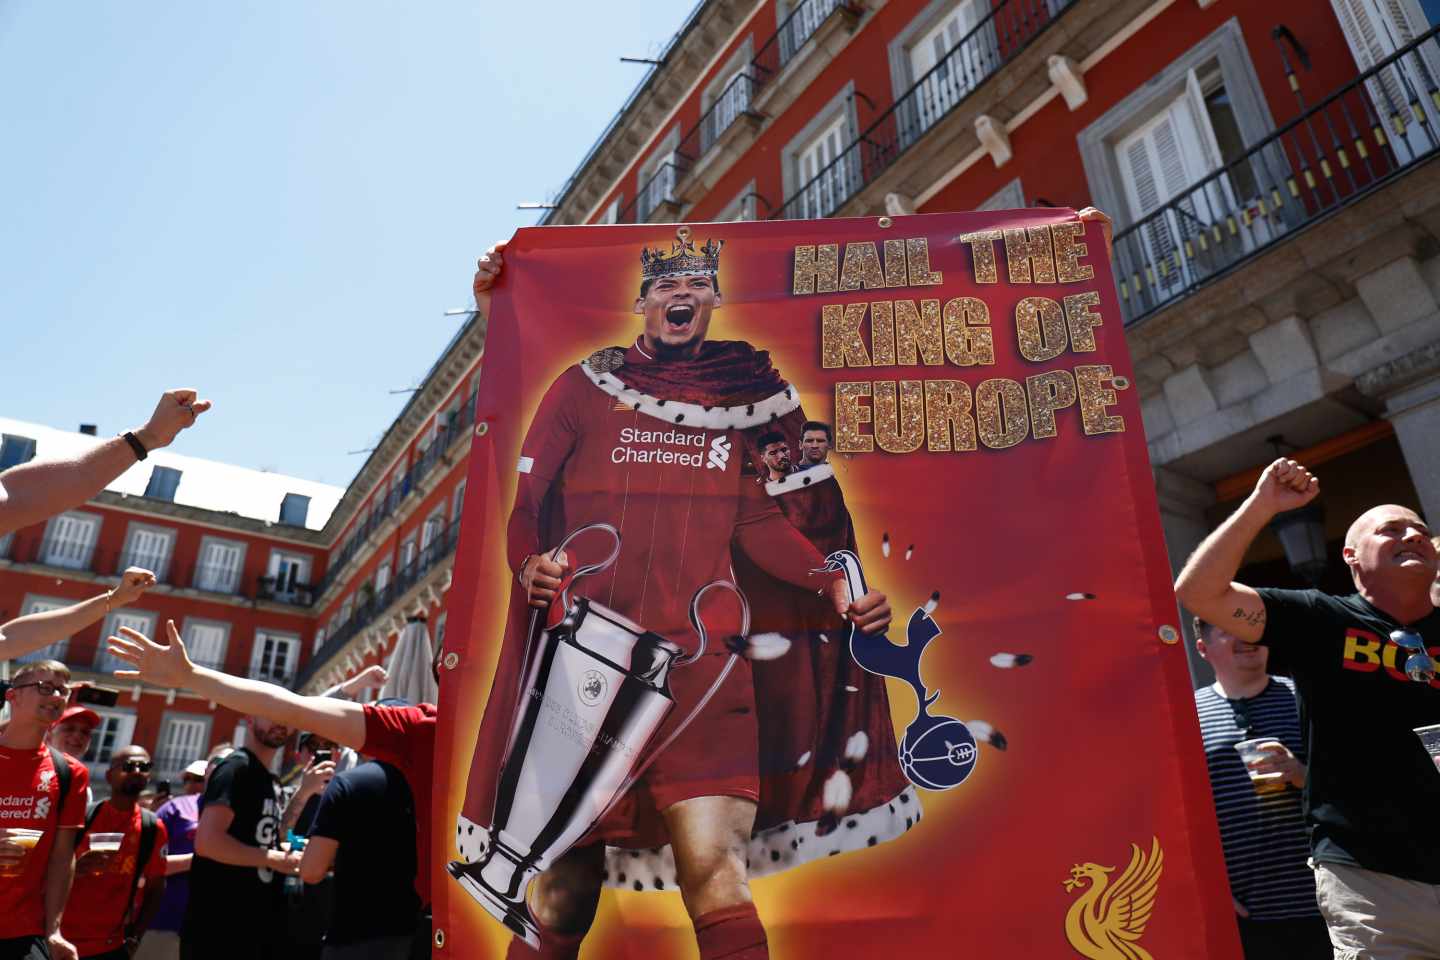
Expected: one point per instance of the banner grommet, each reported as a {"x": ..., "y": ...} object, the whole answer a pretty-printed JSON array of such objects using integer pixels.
[{"x": 1169, "y": 634}]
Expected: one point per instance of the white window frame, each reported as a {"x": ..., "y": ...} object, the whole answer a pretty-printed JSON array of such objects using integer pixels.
[
  {"x": 741, "y": 208},
  {"x": 651, "y": 195},
  {"x": 611, "y": 213},
  {"x": 85, "y": 555},
  {"x": 347, "y": 607},
  {"x": 168, "y": 722},
  {"x": 432, "y": 528},
  {"x": 1375, "y": 29},
  {"x": 950, "y": 32},
  {"x": 129, "y": 557},
  {"x": 141, "y": 620},
  {"x": 835, "y": 123},
  {"x": 319, "y": 640},
  {"x": 409, "y": 550},
  {"x": 257, "y": 654},
  {"x": 384, "y": 573},
  {"x": 206, "y": 542},
  {"x": 278, "y": 558},
  {"x": 734, "y": 95},
  {"x": 35, "y": 603},
  {"x": 457, "y": 501},
  {"x": 123, "y": 722},
  {"x": 217, "y": 662},
  {"x": 1009, "y": 197}
]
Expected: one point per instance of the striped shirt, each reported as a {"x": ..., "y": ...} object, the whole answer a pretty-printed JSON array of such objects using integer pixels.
[{"x": 1265, "y": 839}]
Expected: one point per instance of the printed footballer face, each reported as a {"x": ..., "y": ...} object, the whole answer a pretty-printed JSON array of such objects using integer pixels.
[
  {"x": 777, "y": 456},
  {"x": 677, "y": 314},
  {"x": 814, "y": 446},
  {"x": 1390, "y": 541}
]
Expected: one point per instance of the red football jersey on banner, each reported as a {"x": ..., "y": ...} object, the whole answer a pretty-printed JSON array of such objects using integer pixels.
[
  {"x": 95, "y": 913},
  {"x": 29, "y": 792}
]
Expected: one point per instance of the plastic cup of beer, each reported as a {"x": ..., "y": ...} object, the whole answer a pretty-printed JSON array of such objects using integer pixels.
[
  {"x": 106, "y": 842},
  {"x": 1430, "y": 740},
  {"x": 17, "y": 837},
  {"x": 1252, "y": 752}
]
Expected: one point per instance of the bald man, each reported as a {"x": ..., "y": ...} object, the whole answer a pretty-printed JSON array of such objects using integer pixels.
[{"x": 1365, "y": 673}]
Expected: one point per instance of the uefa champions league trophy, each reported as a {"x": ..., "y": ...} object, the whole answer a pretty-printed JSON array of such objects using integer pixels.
[
  {"x": 937, "y": 753},
  {"x": 595, "y": 689}
]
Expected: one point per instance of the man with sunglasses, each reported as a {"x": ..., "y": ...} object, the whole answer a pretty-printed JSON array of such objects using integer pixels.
[
  {"x": 1365, "y": 672},
  {"x": 1263, "y": 834},
  {"x": 37, "y": 796},
  {"x": 101, "y": 916}
]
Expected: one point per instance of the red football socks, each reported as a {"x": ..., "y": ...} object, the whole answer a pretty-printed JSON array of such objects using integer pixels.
[
  {"x": 553, "y": 946},
  {"x": 732, "y": 933}
]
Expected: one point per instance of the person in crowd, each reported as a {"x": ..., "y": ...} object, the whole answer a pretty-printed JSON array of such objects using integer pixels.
[
  {"x": 1265, "y": 841},
  {"x": 774, "y": 456},
  {"x": 161, "y": 794},
  {"x": 103, "y": 918},
  {"x": 816, "y": 439},
  {"x": 181, "y": 817},
  {"x": 72, "y": 732},
  {"x": 42, "y": 792},
  {"x": 35, "y": 631},
  {"x": 308, "y": 905},
  {"x": 1366, "y": 678},
  {"x": 237, "y": 857},
  {"x": 363, "y": 833},
  {"x": 403, "y": 736},
  {"x": 34, "y": 491}
]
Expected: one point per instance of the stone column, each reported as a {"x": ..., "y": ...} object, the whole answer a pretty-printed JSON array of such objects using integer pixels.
[
  {"x": 1410, "y": 386},
  {"x": 1183, "y": 503}
]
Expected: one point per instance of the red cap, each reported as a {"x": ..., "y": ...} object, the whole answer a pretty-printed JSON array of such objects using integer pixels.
[{"x": 85, "y": 713}]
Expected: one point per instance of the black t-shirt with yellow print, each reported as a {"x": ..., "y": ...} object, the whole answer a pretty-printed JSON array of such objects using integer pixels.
[{"x": 1372, "y": 791}]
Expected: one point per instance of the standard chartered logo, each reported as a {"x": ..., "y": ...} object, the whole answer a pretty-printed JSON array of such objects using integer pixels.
[{"x": 719, "y": 453}]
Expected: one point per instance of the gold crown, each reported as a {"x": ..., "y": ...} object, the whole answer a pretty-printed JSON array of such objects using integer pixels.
[{"x": 682, "y": 261}]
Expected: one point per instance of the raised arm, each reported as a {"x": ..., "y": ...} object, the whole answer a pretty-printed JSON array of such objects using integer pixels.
[
  {"x": 34, "y": 491},
  {"x": 1206, "y": 585},
  {"x": 36, "y": 630},
  {"x": 169, "y": 666}
]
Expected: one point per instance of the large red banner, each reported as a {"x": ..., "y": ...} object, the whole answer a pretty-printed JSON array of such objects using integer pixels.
[{"x": 791, "y": 415}]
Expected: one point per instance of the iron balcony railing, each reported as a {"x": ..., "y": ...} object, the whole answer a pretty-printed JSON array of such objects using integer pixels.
[
  {"x": 381, "y": 600},
  {"x": 793, "y": 33},
  {"x": 1357, "y": 139},
  {"x": 1005, "y": 31},
  {"x": 657, "y": 190},
  {"x": 448, "y": 435},
  {"x": 732, "y": 104}
]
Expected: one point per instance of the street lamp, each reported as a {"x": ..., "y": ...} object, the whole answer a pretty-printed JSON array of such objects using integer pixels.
[{"x": 1302, "y": 535}]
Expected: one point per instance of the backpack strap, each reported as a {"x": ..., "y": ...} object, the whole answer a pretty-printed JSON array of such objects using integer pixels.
[
  {"x": 148, "y": 831},
  {"x": 91, "y": 812},
  {"x": 61, "y": 763}
]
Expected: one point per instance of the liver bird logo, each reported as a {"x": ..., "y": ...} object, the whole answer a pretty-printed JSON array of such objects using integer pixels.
[{"x": 1106, "y": 923}]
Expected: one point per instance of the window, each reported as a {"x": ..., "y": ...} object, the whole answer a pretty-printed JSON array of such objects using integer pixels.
[
  {"x": 294, "y": 509},
  {"x": 347, "y": 606},
  {"x": 1009, "y": 197},
  {"x": 434, "y": 524},
  {"x": 656, "y": 178},
  {"x": 290, "y": 572},
  {"x": 799, "y": 20},
  {"x": 946, "y": 52},
  {"x": 382, "y": 575},
  {"x": 149, "y": 548},
  {"x": 273, "y": 658},
  {"x": 116, "y": 729},
  {"x": 319, "y": 639},
  {"x": 163, "y": 483},
  {"x": 206, "y": 640},
  {"x": 821, "y": 173},
  {"x": 457, "y": 506},
  {"x": 220, "y": 566},
  {"x": 1375, "y": 29},
  {"x": 5, "y": 542},
  {"x": 15, "y": 450},
  {"x": 611, "y": 213},
  {"x": 183, "y": 740},
  {"x": 70, "y": 540},
  {"x": 407, "y": 552},
  {"x": 138, "y": 620},
  {"x": 56, "y": 650},
  {"x": 742, "y": 207}
]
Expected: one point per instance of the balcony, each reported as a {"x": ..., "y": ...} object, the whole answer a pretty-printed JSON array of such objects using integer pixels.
[
  {"x": 803, "y": 45},
  {"x": 656, "y": 201},
  {"x": 1355, "y": 141},
  {"x": 1007, "y": 31},
  {"x": 375, "y": 607},
  {"x": 724, "y": 132}
]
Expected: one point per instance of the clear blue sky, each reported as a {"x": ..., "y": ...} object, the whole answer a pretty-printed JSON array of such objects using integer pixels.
[{"x": 276, "y": 201}]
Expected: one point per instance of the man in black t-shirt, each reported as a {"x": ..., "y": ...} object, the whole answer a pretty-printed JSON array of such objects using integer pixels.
[
  {"x": 236, "y": 907},
  {"x": 1365, "y": 673},
  {"x": 365, "y": 832}
]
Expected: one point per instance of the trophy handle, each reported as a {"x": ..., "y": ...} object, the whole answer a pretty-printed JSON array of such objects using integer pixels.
[
  {"x": 588, "y": 568},
  {"x": 699, "y": 624}
]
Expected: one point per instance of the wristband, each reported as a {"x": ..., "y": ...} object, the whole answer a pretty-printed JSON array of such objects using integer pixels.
[{"x": 140, "y": 452}]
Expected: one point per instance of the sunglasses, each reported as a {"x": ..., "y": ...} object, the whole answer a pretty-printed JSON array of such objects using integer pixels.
[
  {"x": 46, "y": 688},
  {"x": 1240, "y": 709},
  {"x": 1419, "y": 666},
  {"x": 136, "y": 766}
]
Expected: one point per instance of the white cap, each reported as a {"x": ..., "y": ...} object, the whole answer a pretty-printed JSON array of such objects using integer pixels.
[{"x": 197, "y": 769}]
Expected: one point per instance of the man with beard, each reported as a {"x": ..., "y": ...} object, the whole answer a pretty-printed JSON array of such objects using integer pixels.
[
  {"x": 43, "y": 791},
  {"x": 654, "y": 439},
  {"x": 774, "y": 456},
  {"x": 101, "y": 919},
  {"x": 238, "y": 861}
]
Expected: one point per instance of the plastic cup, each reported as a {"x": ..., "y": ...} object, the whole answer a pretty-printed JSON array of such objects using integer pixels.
[
  {"x": 1430, "y": 740},
  {"x": 106, "y": 842},
  {"x": 25, "y": 840},
  {"x": 1251, "y": 753}
]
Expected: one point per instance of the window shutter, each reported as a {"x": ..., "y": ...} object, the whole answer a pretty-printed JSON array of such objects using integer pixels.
[{"x": 206, "y": 643}]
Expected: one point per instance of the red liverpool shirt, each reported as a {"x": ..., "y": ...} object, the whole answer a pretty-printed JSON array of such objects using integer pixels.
[
  {"x": 95, "y": 913},
  {"x": 404, "y": 737},
  {"x": 29, "y": 791}
]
